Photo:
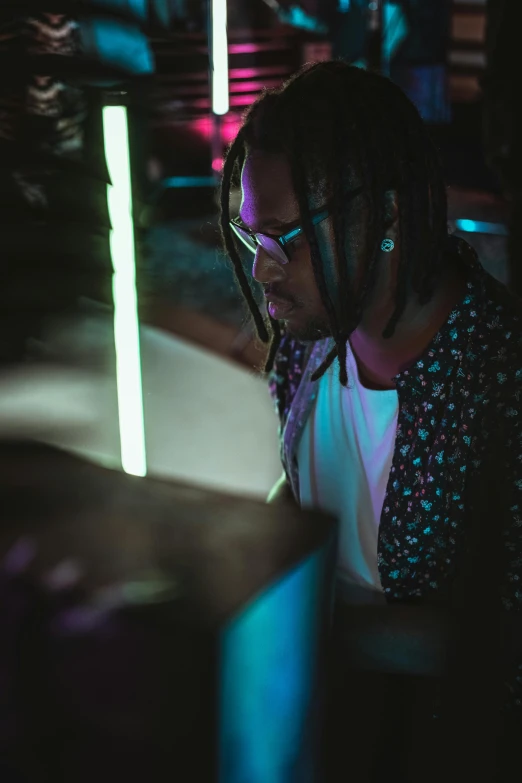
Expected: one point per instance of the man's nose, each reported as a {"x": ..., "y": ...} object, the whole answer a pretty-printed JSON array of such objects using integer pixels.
[{"x": 266, "y": 269}]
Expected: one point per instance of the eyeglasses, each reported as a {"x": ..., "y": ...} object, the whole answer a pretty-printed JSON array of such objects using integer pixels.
[{"x": 276, "y": 246}]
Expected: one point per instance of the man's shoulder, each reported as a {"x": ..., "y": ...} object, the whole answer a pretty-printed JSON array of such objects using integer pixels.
[
  {"x": 499, "y": 335},
  {"x": 503, "y": 309},
  {"x": 498, "y": 297}
]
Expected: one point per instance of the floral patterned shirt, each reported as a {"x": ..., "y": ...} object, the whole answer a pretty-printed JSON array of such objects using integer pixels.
[{"x": 457, "y": 465}]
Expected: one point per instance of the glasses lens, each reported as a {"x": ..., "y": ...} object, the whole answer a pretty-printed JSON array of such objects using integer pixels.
[
  {"x": 244, "y": 236},
  {"x": 273, "y": 248}
]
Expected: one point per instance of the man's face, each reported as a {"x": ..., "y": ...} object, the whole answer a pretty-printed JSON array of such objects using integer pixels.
[{"x": 269, "y": 206}]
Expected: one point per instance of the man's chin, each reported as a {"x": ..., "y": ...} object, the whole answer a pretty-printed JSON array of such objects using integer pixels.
[{"x": 306, "y": 332}]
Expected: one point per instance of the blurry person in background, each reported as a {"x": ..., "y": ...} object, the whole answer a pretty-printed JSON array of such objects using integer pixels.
[
  {"x": 297, "y": 15},
  {"x": 411, "y": 47},
  {"x": 415, "y": 38},
  {"x": 502, "y": 122},
  {"x": 418, "y": 33}
]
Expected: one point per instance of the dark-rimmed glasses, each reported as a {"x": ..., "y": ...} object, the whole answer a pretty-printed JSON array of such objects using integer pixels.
[{"x": 276, "y": 246}]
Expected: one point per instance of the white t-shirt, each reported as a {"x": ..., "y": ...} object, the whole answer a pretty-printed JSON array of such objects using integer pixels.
[{"x": 344, "y": 457}]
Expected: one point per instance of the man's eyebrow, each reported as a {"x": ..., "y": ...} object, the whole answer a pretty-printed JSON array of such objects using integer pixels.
[
  {"x": 275, "y": 223},
  {"x": 280, "y": 225}
]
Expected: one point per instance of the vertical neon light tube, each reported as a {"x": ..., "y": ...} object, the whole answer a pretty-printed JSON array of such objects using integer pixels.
[
  {"x": 220, "y": 98},
  {"x": 126, "y": 323}
]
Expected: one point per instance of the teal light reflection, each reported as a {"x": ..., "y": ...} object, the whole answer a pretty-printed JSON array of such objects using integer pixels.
[
  {"x": 269, "y": 704},
  {"x": 481, "y": 227}
]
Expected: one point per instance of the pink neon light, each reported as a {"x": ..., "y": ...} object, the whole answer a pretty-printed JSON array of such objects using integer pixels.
[
  {"x": 235, "y": 100},
  {"x": 230, "y": 124},
  {"x": 243, "y": 100},
  {"x": 248, "y": 86},
  {"x": 203, "y": 127},
  {"x": 217, "y": 164},
  {"x": 247, "y": 48},
  {"x": 244, "y": 73},
  {"x": 230, "y": 129}
]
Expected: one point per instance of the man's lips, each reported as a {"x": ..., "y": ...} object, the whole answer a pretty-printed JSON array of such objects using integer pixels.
[{"x": 278, "y": 308}]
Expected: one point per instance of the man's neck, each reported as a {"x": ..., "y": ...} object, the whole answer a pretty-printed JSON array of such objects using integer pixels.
[{"x": 379, "y": 359}]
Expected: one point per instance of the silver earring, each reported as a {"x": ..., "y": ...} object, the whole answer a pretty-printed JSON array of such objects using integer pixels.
[{"x": 387, "y": 245}]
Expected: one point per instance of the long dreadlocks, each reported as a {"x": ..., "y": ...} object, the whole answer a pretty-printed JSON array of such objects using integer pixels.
[{"x": 337, "y": 123}]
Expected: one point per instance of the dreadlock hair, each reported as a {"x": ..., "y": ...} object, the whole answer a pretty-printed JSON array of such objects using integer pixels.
[{"x": 337, "y": 123}]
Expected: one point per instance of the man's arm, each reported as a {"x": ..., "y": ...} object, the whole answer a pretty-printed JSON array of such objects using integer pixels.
[{"x": 281, "y": 492}]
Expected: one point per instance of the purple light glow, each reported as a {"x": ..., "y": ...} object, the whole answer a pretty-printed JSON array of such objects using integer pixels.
[
  {"x": 235, "y": 100},
  {"x": 244, "y": 73},
  {"x": 243, "y": 100},
  {"x": 247, "y": 48},
  {"x": 19, "y": 557},
  {"x": 246, "y": 86},
  {"x": 230, "y": 125}
]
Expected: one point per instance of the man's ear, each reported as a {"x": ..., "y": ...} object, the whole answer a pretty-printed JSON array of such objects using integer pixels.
[{"x": 391, "y": 208}]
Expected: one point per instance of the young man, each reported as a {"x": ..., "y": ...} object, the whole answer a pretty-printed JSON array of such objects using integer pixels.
[{"x": 396, "y": 360}]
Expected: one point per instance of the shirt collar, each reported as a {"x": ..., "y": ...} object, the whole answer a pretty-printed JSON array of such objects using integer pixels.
[{"x": 445, "y": 351}]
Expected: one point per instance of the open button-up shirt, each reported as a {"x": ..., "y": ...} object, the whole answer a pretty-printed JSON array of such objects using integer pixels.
[{"x": 455, "y": 484}]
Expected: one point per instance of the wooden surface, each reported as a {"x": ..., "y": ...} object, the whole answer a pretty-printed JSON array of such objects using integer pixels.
[
  {"x": 114, "y": 592},
  {"x": 217, "y": 551}
]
